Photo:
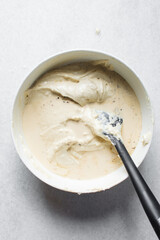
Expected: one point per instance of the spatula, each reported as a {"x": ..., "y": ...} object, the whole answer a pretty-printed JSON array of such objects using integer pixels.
[{"x": 110, "y": 126}]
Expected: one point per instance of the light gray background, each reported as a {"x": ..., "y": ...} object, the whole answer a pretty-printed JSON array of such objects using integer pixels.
[{"x": 30, "y": 32}]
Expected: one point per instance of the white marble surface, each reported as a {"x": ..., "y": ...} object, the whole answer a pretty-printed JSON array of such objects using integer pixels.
[{"x": 31, "y": 31}]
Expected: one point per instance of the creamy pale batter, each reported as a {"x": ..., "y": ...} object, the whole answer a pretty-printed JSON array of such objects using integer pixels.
[{"x": 57, "y": 119}]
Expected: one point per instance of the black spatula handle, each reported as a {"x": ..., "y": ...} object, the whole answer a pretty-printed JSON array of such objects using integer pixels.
[{"x": 148, "y": 200}]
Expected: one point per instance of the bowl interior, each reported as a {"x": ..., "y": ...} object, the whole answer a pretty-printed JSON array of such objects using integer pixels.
[{"x": 80, "y": 186}]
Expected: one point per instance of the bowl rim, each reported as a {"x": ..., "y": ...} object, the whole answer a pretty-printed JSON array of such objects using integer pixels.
[{"x": 73, "y": 188}]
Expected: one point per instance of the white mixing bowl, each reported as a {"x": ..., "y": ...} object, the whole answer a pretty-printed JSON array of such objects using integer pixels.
[{"x": 71, "y": 185}]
